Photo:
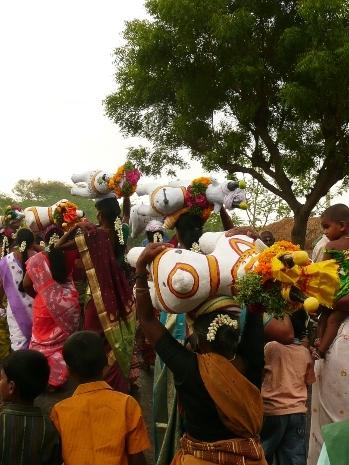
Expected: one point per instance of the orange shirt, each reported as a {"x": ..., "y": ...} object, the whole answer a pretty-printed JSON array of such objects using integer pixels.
[
  {"x": 288, "y": 372},
  {"x": 99, "y": 426}
]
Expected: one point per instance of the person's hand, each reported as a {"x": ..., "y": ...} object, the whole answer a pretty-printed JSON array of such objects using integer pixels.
[
  {"x": 244, "y": 231},
  {"x": 150, "y": 252}
]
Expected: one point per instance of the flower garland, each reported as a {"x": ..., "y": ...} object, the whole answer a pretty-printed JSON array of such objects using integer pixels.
[
  {"x": 263, "y": 267},
  {"x": 220, "y": 320},
  {"x": 124, "y": 181},
  {"x": 119, "y": 231},
  {"x": 158, "y": 237},
  {"x": 5, "y": 247},
  {"x": 11, "y": 213},
  {"x": 195, "y": 248},
  {"x": 196, "y": 200},
  {"x": 258, "y": 288},
  {"x": 22, "y": 247},
  {"x": 65, "y": 214},
  {"x": 52, "y": 242}
]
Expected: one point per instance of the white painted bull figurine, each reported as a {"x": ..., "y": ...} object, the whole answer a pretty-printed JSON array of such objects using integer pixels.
[
  {"x": 91, "y": 184},
  {"x": 38, "y": 218},
  {"x": 182, "y": 279}
]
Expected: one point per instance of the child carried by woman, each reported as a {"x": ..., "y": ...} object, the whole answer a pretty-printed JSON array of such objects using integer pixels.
[{"x": 335, "y": 224}]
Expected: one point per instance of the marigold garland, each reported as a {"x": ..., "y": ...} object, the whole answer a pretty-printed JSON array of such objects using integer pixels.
[
  {"x": 263, "y": 266},
  {"x": 124, "y": 181},
  {"x": 196, "y": 200}
]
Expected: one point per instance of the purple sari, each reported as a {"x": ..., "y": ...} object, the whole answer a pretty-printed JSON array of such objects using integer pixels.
[{"x": 19, "y": 304}]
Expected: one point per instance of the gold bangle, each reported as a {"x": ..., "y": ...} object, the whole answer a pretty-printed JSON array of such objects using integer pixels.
[{"x": 142, "y": 289}]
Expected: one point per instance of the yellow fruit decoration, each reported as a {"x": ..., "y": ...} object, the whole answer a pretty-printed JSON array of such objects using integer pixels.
[
  {"x": 311, "y": 304},
  {"x": 300, "y": 257}
]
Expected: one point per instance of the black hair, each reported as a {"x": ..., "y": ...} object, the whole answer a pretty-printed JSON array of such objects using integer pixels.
[
  {"x": 109, "y": 208},
  {"x": 29, "y": 370},
  {"x": 337, "y": 213},
  {"x": 299, "y": 321},
  {"x": 85, "y": 356},
  {"x": 150, "y": 235},
  {"x": 24, "y": 235},
  {"x": 189, "y": 229},
  {"x": 227, "y": 337},
  {"x": 58, "y": 265}
]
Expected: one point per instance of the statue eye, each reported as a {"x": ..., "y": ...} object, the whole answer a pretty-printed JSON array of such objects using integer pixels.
[{"x": 178, "y": 251}]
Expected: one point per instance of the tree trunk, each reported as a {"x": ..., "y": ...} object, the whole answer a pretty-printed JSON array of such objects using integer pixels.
[{"x": 299, "y": 229}]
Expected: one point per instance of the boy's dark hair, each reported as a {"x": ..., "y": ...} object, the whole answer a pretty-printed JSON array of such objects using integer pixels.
[
  {"x": 85, "y": 356},
  {"x": 189, "y": 229},
  {"x": 29, "y": 370},
  {"x": 337, "y": 213},
  {"x": 299, "y": 321},
  {"x": 227, "y": 338}
]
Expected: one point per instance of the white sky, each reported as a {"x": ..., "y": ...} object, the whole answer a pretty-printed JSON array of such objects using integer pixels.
[{"x": 56, "y": 68}]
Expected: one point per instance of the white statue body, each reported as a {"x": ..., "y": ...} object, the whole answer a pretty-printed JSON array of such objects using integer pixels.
[
  {"x": 38, "y": 218},
  {"x": 182, "y": 279},
  {"x": 91, "y": 184}
]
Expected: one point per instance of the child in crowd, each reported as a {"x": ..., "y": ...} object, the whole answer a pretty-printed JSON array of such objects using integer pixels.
[
  {"x": 27, "y": 437},
  {"x": 335, "y": 224},
  {"x": 288, "y": 372},
  {"x": 98, "y": 426}
]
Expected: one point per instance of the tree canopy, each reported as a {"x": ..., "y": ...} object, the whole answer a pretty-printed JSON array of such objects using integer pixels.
[{"x": 249, "y": 86}]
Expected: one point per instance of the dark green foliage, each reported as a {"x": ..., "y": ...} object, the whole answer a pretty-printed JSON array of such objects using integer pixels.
[{"x": 252, "y": 86}]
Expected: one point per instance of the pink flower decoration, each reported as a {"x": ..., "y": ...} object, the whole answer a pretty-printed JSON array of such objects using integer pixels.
[{"x": 133, "y": 176}]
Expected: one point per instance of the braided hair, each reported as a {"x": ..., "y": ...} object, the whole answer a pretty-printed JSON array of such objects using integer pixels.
[
  {"x": 189, "y": 229},
  {"x": 109, "y": 210},
  {"x": 55, "y": 255},
  {"x": 23, "y": 241}
]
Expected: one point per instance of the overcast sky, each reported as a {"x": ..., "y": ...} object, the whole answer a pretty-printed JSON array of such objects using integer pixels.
[{"x": 56, "y": 68}]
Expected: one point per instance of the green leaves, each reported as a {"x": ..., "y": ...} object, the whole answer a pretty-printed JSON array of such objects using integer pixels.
[{"x": 256, "y": 86}]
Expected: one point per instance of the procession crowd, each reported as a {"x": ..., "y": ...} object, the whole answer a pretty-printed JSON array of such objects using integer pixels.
[{"x": 231, "y": 382}]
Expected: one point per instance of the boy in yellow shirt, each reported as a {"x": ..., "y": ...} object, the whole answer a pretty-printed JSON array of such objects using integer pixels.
[{"x": 98, "y": 426}]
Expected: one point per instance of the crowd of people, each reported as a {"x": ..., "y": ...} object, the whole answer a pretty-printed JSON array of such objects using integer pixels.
[{"x": 231, "y": 386}]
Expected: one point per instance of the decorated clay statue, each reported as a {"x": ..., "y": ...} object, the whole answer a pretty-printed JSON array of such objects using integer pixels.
[
  {"x": 38, "y": 218},
  {"x": 99, "y": 184},
  {"x": 239, "y": 266},
  {"x": 139, "y": 221},
  {"x": 12, "y": 214}
]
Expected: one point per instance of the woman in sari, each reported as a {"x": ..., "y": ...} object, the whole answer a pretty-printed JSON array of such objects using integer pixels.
[
  {"x": 19, "y": 304},
  {"x": 222, "y": 425},
  {"x": 56, "y": 306},
  {"x": 110, "y": 310}
]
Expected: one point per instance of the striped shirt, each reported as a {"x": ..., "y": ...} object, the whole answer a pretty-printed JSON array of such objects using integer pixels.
[{"x": 27, "y": 437}]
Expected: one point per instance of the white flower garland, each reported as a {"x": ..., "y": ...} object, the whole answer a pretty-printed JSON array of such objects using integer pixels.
[
  {"x": 5, "y": 247},
  {"x": 195, "y": 248},
  {"x": 158, "y": 237},
  {"x": 118, "y": 229},
  {"x": 220, "y": 320},
  {"x": 52, "y": 242},
  {"x": 22, "y": 247}
]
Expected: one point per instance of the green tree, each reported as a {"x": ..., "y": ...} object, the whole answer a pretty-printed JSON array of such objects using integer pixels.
[{"x": 259, "y": 87}]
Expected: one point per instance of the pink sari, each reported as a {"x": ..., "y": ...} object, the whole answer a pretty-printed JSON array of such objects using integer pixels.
[{"x": 56, "y": 314}]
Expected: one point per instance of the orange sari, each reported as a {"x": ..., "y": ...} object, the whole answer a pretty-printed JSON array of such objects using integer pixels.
[{"x": 240, "y": 407}]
